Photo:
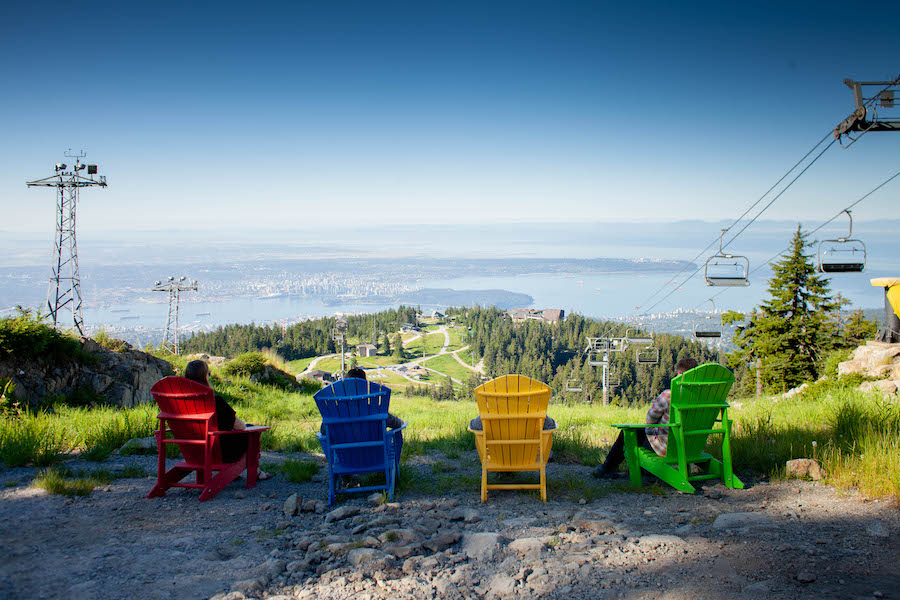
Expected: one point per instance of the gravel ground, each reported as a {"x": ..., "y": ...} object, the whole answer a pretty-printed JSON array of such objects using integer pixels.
[{"x": 794, "y": 539}]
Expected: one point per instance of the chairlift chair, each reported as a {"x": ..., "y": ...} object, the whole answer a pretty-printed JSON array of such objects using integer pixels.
[
  {"x": 647, "y": 356},
  {"x": 728, "y": 270},
  {"x": 635, "y": 336},
  {"x": 843, "y": 255},
  {"x": 574, "y": 385},
  {"x": 597, "y": 359},
  {"x": 708, "y": 326},
  {"x": 612, "y": 379}
]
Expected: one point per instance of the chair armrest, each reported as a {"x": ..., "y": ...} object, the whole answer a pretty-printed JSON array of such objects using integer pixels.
[
  {"x": 252, "y": 429},
  {"x": 641, "y": 425},
  {"x": 551, "y": 430},
  {"x": 475, "y": 431},
  {"x": 401, "y": 428}
]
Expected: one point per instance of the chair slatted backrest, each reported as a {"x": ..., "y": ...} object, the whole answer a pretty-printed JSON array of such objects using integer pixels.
[
  {"x": 698, "y": 399},
  {"x": 355, "y": 398},
  {"x": 185, "y": 398},
  {"x": 513, "y": 408}
]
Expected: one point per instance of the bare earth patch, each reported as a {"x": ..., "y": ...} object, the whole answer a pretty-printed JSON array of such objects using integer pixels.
[{"x": 774, "y": 540}]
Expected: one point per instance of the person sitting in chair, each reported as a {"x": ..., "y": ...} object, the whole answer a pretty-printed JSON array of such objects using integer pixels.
[
  {"x": 233, "y": 446},
  {"x": 652, "y": 438},
  {"x": 393, "y": 422}
]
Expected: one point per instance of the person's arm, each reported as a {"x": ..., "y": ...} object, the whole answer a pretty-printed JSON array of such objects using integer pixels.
[
  {"x": 393, "y": 422},
  {"x": 659, "y": 408}
]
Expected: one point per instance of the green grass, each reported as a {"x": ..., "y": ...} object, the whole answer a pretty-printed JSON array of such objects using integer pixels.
[
  {"x": 448, "y": 365},
  {"x": 66, "y": 483},
  {"x": 299, "y": 365},
  {"x": 855, "y": 436},
  {"x": 297, "y": 471},
  {"x": 432, "y": 342},
  {"x": 455, "y": 339}
]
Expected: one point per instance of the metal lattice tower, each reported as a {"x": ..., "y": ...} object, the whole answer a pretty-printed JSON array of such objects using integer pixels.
[
  {"x": 174, "y": 287},
  {"x": 64, "y": 288},
  {"x": 339, "y": 334}
]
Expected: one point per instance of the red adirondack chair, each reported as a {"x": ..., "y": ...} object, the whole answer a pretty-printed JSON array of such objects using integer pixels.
[{"x": 189, "y": 410}]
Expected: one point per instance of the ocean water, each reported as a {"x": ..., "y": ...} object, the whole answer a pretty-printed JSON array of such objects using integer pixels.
[{"x": 594, "y": 294}]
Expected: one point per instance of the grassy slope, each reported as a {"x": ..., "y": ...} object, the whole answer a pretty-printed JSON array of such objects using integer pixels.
[
  {"x": 856, "y": 436},
  {"x": 448, "y": 365}
]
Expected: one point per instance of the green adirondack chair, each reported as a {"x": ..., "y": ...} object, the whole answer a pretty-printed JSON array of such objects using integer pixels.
[{"x": 697, "y": 406}]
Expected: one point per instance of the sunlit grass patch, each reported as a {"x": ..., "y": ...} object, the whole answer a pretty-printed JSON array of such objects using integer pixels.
[
  {"x": 297, "y": 471},
  {"x": 35, "y": 438}
]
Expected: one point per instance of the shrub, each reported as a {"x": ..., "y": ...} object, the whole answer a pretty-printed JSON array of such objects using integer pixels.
[
  {"x": 26, "y": 336},
  {"x": 110, "y": 343},
  {"x": 297, "y": 471},
  {"x": 31, "y": 438},
  {"x": 249, "y": 363}
]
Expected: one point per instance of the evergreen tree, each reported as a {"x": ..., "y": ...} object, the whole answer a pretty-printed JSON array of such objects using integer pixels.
[
  {"x": 386, "y": 347},
  {"x": 398, "y": 346},
  {"x": 793, "y": 328}
]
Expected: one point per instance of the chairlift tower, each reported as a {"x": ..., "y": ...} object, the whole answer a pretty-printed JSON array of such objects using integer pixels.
[
  {"x": 868, "y": 97},
  {"x": 174, "y": 287},
  {"x": 599, "y": 350},
  {"x": 64, "y": 288},
  {"x": 339, "y": 334}
]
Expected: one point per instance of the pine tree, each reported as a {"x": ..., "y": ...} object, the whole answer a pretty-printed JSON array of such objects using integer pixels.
[
  {"x": 398, "y": 346},
  {"x": 793, "y": 329}
]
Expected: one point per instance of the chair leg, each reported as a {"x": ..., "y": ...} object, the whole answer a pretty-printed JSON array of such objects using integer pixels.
[
  {"x": 483, "y": 484},
  {"x": 631, "y": 458},
  {"x": 544, "y": 483},
  {"x": 252, "y": 457},
  {"x": 218, "y": 482},
  {"x": 671, "y": 476},
  {"x": 166, "y": 480}
]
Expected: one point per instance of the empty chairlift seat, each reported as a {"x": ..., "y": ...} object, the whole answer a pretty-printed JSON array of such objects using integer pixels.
[
  {"x": 842, "y": 255},
  {"x": 728, "y": 270}
]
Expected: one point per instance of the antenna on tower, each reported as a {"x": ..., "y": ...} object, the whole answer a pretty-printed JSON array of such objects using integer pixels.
[
  {"x": 174, "y": 287},
  {"x": 64, "y": 288}
]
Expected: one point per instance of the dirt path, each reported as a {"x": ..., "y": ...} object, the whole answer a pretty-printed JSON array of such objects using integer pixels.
[{"x": 773, "y": 540}]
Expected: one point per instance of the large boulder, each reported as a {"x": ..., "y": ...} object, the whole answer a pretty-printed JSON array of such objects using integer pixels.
[
  {"x": 874, "y": 359},
  {"x": 95, "y": 375}
]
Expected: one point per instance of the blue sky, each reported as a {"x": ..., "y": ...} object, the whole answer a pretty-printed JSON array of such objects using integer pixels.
[{"x": 223, "y": 115}]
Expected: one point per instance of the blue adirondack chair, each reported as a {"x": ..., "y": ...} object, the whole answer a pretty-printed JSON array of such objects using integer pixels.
[{"x": 356, "y": 440}]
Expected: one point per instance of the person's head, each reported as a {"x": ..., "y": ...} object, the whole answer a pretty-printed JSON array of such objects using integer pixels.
[
  {"x": 684, "y": 365},
  {"x": 198, "y": 371},
  {"x": 356, "y": 372}
]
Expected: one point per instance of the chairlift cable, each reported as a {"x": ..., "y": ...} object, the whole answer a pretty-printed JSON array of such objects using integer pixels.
[
  {"x": 736, "y": 221},
  {"x": 820, "y": 227},
  {"x": 869, "y": 102},
  {"x": 786, "y": 188}
]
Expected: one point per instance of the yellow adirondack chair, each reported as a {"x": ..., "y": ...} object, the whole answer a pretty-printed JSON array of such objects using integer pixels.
[{"x": 512, "y": 409}]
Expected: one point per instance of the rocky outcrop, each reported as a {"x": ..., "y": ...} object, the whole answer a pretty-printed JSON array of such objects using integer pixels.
[
  {"x": 98, "y": 376},
  {"x": 875, "y": 359}
]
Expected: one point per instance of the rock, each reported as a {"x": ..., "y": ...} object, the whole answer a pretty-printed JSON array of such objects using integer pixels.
[
  {"x": 760, "y": 589},
  {"x": 794, "y": 392},
  {"x": 713, "y": 494},
  {"x": 877, "y": 529},
  {"x": 320, "y": 507},
  {"x": 272, "y": 568},
  {"x": 365, "y": 557},
  {"x": 291, "y": 505},
  {"x": 446, "y": 588},
  {"x": 806, "y": 577},
  {"x": 375, "y": 499},
  {"x": 502, "y": 585},
  {"x": 884, "y": 387},
  {"x": 481, "y": 546},
  {"x": 465, "y": 514},
  {"x": 657, "y": 540},
  {"x": 528, "y": 547},
  {"x": 804, "y": 467},
  {"x": 341, "y": 513},
  {"x": 442, "y": 540},
  {"x": 309, "y": 506},
  {"x": 600, "y": 526},
  {"x": 743, "y": 519},
  {"x": 147, "y": 443},
  {"x": 399, "y": 536},
  {"x": 247, "y": 587}
]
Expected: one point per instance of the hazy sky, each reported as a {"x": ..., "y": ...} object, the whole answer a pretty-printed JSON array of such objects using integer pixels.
[{"x": 271, "y": 115}]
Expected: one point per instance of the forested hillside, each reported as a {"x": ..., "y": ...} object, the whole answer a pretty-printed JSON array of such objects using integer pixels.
[
  {"x": 555, "y": 352},
  {"x": 544, "y": 351},
  {"x": 302, "y": 340}
]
